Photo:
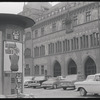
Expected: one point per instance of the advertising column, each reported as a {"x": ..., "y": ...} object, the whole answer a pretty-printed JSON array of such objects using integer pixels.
[{"x": 13, "y": 64}]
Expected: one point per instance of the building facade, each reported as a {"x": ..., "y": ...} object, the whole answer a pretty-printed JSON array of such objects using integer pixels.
[
  {"x": 32, "y": 10},
  {"x": 65, "y": 40}
]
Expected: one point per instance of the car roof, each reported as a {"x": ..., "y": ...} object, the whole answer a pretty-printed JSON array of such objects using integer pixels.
[{"x": 97, "y": 74}]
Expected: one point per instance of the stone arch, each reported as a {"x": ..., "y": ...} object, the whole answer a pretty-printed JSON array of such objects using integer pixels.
[
  {"x": 89, "y": 66},
  {"x": 56, "y": 69},
  {"x": 71, "y": 67}
]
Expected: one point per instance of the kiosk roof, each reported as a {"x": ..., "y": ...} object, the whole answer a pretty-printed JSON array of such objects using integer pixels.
[{"x": 16, "y": 20}]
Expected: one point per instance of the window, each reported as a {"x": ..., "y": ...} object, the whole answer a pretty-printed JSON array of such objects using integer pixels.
[
  {"x": 27, "y": 70},
  {"x": 42, "y": 31},
  {"x": 64, "y": 8},
  {"x": 36, "y": 70},
  {"x": 77, "y": 45},
  {"x": 91, "y": 40},
  {"x": 84, "y": 41},
  {"x": 75, "y": 21},
  {"x": 27, "y": 53},
  {"x": 72, "y": 44},
  {"x": 36, "y": 51},
  {"x": 9, "y": 36},
  {"x": 68, "y": 24},
  {"x": 56, "y": 47},
  {"x": 36, "y": 33},
  {"x": 42, "y": 69},
  {"x": 60, "y": 46},
  {"x": 64, "y": 46},
  {"x": 54, "y": 27},
  {"x": 42, "y": 50},
  {"x": 97, "y": 38},
  {"x": 74, "y": 41},
  {"x": 88, "y": 16},
  {"x": 68, "y": 45},
  {"x": 81, "y": 42},
  {"x": 28, "y": 36},
  {"x": 63, "y": 24},
  {"x": 51, "y": 48}
]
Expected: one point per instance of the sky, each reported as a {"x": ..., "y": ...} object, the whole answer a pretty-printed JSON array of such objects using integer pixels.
[{"x": 14, "y": 7}]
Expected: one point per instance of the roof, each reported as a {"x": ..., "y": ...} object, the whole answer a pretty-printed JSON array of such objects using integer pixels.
[
  {"x": 38, "y": 5},
  {"x": 20, "y": 20}
]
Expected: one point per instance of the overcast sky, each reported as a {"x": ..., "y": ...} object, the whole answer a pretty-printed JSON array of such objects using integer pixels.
[{"x": 13, "y": 7}]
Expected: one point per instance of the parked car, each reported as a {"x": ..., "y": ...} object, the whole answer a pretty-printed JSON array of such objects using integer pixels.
[
  {"x": 28, "y": 80},
  {"x": 90, "y": 85},
  {"x": 37, "y": 81},
  {"x": 52, "y": 82},
  {"x": 27, "y": 83},
  {"x": 68, "y": 81}
]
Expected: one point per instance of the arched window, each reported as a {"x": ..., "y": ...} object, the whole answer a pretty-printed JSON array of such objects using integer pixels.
[
  {"x": 90, "y": 67},
  {"x": 72, "y": 68},
  {"x": 57, "y": 69}
]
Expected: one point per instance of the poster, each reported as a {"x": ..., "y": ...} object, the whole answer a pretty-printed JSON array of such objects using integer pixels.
[{"x": 12, "y": 56}]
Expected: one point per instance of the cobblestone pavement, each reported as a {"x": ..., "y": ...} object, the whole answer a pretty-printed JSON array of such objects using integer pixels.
[{"x": 56, "y": 93}]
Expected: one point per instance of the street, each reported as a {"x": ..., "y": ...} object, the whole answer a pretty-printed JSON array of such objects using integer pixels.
[{"x": 56, "y": 93}]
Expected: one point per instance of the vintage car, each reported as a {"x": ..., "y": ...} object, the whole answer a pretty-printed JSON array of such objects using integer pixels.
[
  {"x": 27, "y": 83},
  {"x": 52, "y": 82},
  {"x": 37, "y": 81},
  {"x": 28, "y": 80},
  {"x": 68, "y": 81},
  {"x": 90, "y": 85}
]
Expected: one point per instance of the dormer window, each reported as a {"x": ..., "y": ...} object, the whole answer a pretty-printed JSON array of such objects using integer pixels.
[
  {"x": 64, "y": 8},
  {"x": 59, "y": 10}
]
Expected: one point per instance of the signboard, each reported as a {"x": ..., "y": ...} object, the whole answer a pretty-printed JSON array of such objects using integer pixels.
[{"x": 12, "y": 56}]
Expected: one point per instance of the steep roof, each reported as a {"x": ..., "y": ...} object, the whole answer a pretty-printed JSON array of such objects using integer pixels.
[{"x": 38, "y": 5}]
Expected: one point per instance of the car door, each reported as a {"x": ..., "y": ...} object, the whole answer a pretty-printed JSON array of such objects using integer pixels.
[
  {"x": 96, "y": 84},
  {"x": 93, "y": 86}
]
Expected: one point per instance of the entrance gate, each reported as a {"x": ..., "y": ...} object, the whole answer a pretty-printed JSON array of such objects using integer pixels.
[
  {"x": 90, "y": 67},
  {"x": 57, "y": 69}
]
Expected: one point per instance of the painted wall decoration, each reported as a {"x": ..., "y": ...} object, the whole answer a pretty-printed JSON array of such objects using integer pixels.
[{"x": 12, "y": 56}]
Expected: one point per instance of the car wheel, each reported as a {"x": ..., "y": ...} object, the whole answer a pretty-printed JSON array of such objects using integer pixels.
[
  {"x": 34, "y": 86},
  {"x": 55, "y": 86},
  {"x": 82, "y": 92},
  {"x": 44, "y": 87},
  {"x": 64, "y": 88}
]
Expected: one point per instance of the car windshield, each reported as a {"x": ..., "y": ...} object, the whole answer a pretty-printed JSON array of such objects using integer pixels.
[
  {"x": 39, "y": 78},
  {"x": 51, "y": 79},
  {"x": 90, "y": 77},
  {"x": 71, "y": 77}
]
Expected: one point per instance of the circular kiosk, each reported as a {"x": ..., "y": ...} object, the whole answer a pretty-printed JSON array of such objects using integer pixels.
[{"x": 11, "y": 52}]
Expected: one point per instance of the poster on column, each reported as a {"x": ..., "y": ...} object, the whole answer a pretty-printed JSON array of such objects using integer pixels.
[{"x": 12, "y": 56}]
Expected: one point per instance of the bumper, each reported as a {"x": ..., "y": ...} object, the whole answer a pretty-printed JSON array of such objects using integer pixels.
[
  {"x": 36, "y": 85},
  {"x": 47, "y": 86},
  {"x": 66, "y": 86}
]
